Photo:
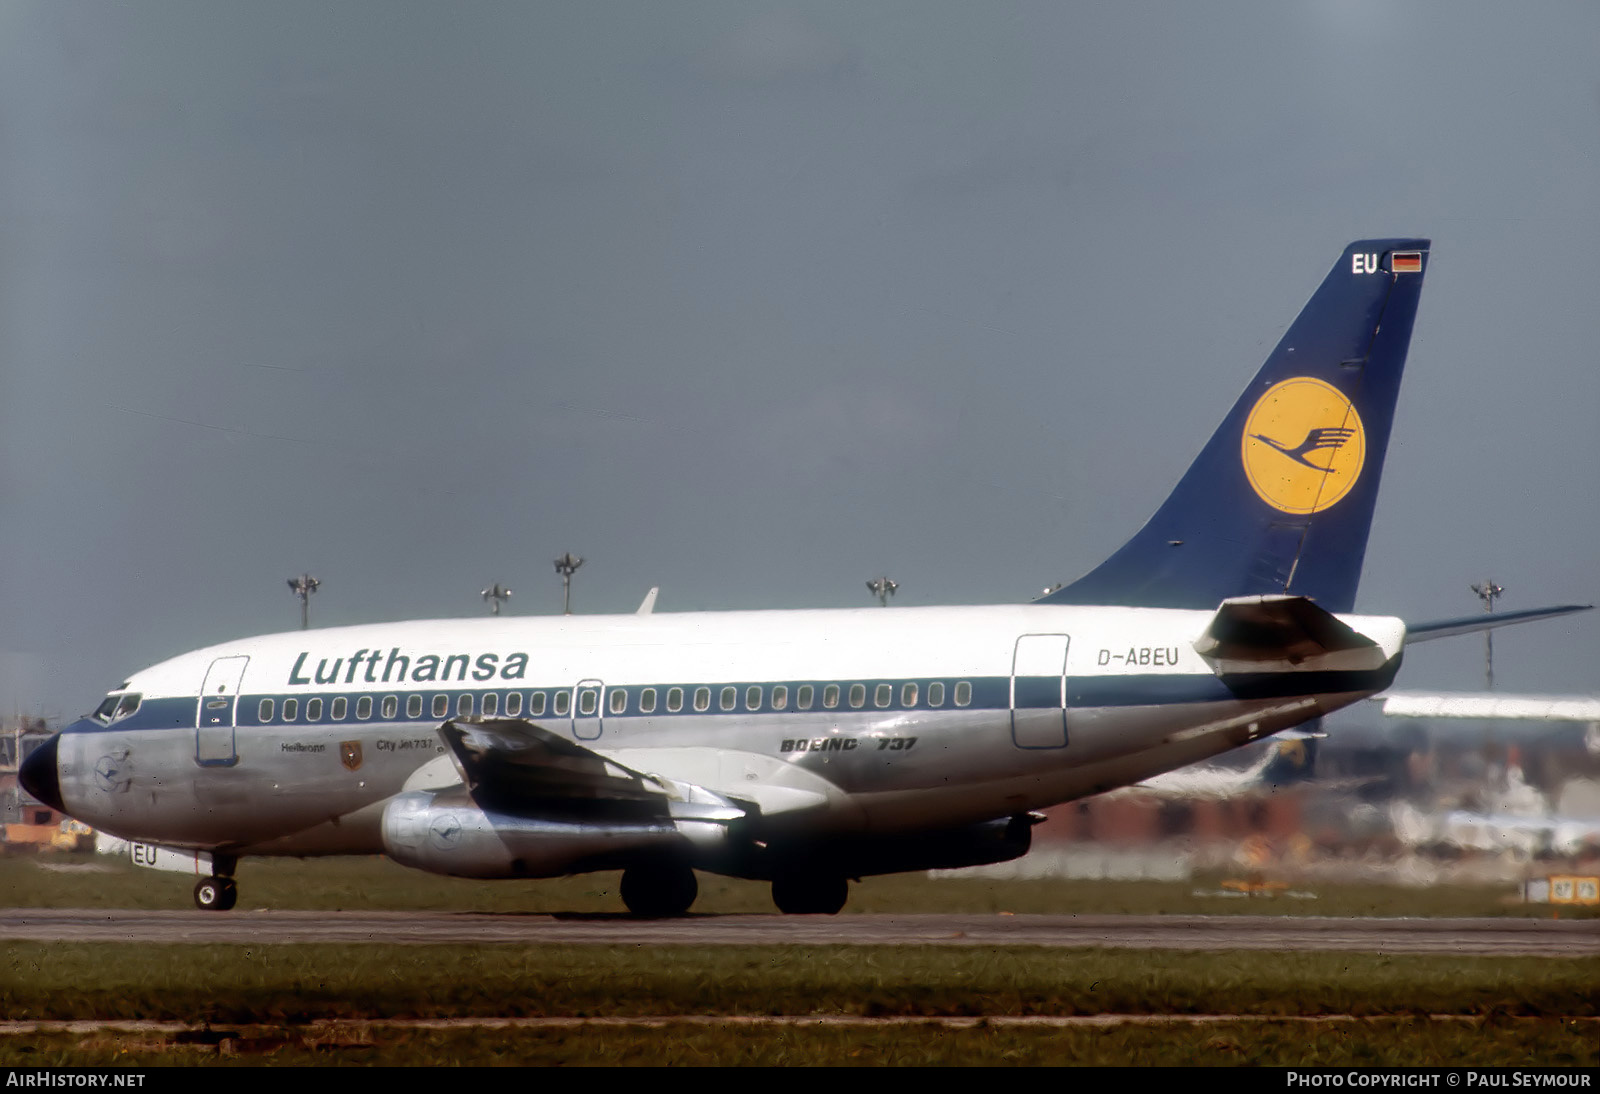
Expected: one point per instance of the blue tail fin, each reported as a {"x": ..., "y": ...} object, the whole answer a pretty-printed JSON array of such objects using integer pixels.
[{"x": 1281, "y": 498}]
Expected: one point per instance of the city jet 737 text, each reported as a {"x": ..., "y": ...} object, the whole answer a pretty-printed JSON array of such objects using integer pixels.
[{"x": 804, "y": 748}]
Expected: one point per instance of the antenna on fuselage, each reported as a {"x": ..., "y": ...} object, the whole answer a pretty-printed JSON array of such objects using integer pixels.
[{"x": 303, "y": 586}]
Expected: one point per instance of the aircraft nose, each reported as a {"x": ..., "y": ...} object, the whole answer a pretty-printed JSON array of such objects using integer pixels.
[{"x": 40, "y": 776}]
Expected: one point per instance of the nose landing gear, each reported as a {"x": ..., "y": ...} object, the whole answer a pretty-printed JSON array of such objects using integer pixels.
[{"x": 216, "y": 894}]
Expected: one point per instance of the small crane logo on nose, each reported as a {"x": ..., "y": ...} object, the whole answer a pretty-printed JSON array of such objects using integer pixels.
[
  {"x": 446, "y": 831},
  {"x": 109, "y": 775}
]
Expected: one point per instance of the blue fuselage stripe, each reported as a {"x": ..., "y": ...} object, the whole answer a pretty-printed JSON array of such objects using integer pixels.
[{"x": 987, "y": 693}]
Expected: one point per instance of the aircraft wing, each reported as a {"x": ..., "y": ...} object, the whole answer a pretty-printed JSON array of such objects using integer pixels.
[
  {"x": 513, "y": 766},
  {"x": 1484, "y": 621}
]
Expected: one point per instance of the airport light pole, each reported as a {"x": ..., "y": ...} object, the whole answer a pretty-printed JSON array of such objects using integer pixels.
[
  {"x": 1488, "y": 592},
  {"x": 303, "y": 586},
  {"x": 882, "y": 588},
  {"x": 494, "y": 594},
  {"x": 566, "y": 566}
]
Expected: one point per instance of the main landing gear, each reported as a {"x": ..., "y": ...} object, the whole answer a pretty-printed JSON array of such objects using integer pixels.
[
  {"x": 810, "y": 892},
  {"x": 659, "y": 890}
]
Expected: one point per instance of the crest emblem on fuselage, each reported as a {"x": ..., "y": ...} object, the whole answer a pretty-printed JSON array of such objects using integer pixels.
[
  {"x": 1303, "y": 446},
  {"x": 350, "y": 754}
]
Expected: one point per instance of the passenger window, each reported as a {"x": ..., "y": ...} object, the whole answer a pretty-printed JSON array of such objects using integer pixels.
[
  {"x": 464, "y": 706},
  {"x": 802, "y": 697},
  {"x": 491, "y": 705},
  {"x": 413, "y": 707},
  {"x": 588, "y": 700},
  {"x": 264, "y": 711},
  {"x": 908, "y": 695},
  {"x": 364, "y": 707},
  {"x": 780, "y": 697},
  {"x": 513, "y": 704},
  {"x": 313, "y": 710},
  {"x": 536, "y": 704},
  {"x": 647, "y": 701},
  {"x": 563, "y": 703},
  {"x": 702, "y": 698},
  {"x": 730, "y": 696},
  {"x": 441, "y": 706},
  {"x": 883, "y": 695},
  {"x": 291, "y": 709},
  {"x": 674, "y": 700},
  {"x": 391, "y": 705},
  {"x": 752, "y": 698},
  {"x": 339, "y": 708},
  {"x": 858, "y": 695},
  {"x": 830, "y": 696},
  {"x": 619, "y": 700},
  {"x": 936, "y": 694},
  {"x": 963, "y": 694}
]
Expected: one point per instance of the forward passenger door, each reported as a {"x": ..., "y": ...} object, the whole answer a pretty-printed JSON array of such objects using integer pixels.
[{"x": 217, "y": 707}]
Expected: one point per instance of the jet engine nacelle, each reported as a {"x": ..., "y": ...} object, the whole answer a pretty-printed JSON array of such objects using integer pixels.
[{"x": 446, "y": 832}]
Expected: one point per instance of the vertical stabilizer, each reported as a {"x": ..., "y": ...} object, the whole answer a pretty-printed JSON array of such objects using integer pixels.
[{"x": 1280, "y": 499}]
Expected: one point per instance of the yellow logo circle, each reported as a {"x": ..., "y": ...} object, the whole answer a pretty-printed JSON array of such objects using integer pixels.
[{"x": 1303, "y": 446}]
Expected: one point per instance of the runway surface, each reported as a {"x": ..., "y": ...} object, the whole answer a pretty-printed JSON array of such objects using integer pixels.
[{"x": 1467, "y": 937}]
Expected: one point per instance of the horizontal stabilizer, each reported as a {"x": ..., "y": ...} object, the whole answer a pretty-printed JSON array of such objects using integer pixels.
[
  {"x": 513, "y": 766},
  {"x": 1256, "y": 631},
  {"x": 1445, "y": 704},
  {"x": 1484, "y": 621}
]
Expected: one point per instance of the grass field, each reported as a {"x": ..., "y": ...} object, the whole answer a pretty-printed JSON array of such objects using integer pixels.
[
  {"x": 334, "y": 1004},
  {"x": 86, "y": 881},
  {"x": 301, "y": 983},
  {"x": 1398, "y": 1042},
  {"x": 271, "y": 1004}
]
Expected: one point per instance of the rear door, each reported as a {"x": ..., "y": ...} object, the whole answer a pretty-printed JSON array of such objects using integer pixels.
[{"x": 1039, "y": 691}]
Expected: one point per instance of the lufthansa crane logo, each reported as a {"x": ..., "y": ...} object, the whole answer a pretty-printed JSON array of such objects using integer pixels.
[
  {"x": 445, "y": 831},
  {"x": 1303, "y": 446}
]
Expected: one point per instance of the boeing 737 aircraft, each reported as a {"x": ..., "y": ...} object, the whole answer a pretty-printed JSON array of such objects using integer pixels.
[{"x": 805, "y": 748}]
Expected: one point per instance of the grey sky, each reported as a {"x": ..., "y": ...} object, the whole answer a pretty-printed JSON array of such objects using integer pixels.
[{"x": 756, "y": 302}]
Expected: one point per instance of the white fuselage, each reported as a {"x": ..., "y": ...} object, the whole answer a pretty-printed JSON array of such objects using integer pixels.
[{"x": 831, "y": 722}]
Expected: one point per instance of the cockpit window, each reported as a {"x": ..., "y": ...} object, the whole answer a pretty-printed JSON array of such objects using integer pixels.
[{"x": 116, "y": 706}]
